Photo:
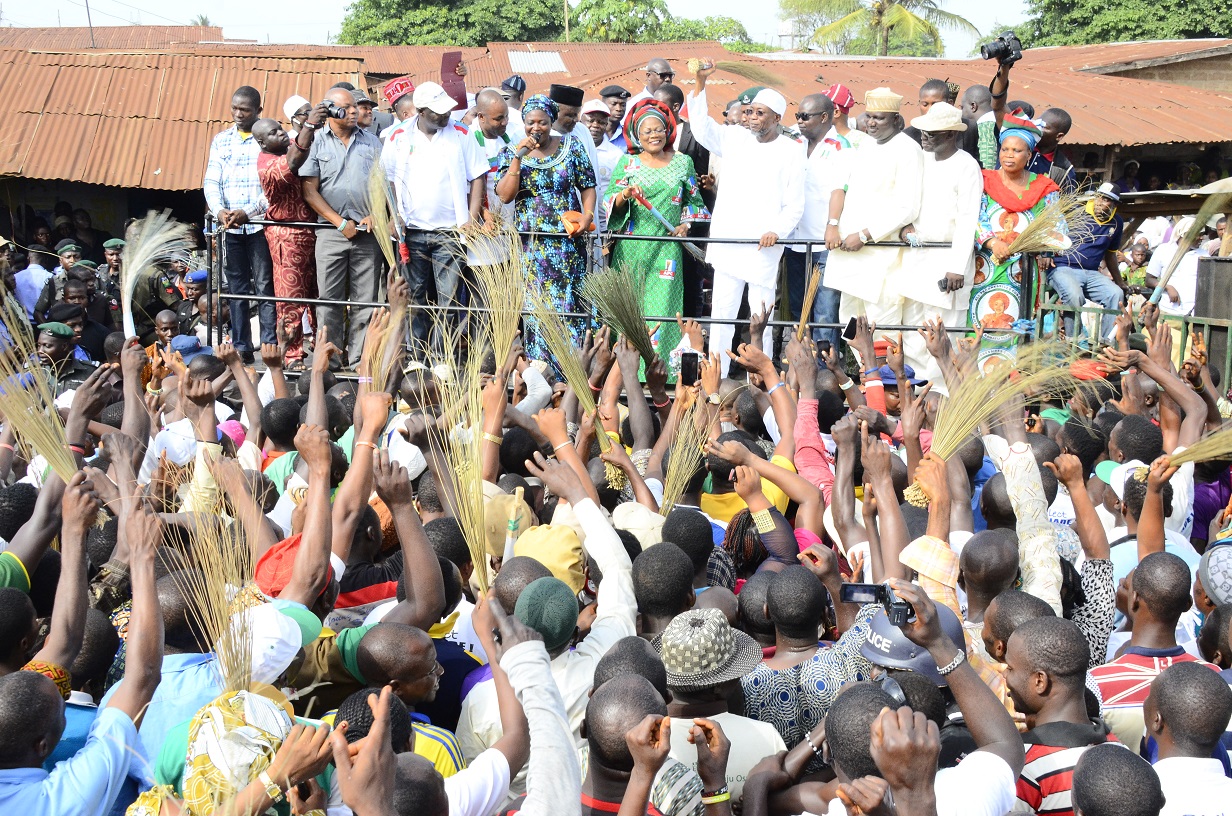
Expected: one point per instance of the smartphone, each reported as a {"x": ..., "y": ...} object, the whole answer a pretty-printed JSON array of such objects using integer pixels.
[
  {"x": 688, "y": 367},
  {"x": 849, "y": 333}
]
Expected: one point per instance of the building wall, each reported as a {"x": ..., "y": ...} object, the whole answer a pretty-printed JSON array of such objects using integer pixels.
[
  {"x": 1210, "y": 74},
  {"x": 109, "y": 207}
]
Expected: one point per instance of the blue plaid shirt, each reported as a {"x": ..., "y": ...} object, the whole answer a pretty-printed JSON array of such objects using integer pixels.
[{"x": 231, "y": 181}]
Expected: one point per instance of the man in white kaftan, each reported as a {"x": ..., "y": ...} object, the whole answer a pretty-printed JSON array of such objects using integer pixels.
[
  {"x": 949, "y": 214},
  {"x": 762, "y": 196},
  {"x": 880, "y": 197}
]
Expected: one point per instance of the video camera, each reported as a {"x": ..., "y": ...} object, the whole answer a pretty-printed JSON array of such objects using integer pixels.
[
  {"x": 1006, "y": 49},
  {"x": 899, "y": 612}
]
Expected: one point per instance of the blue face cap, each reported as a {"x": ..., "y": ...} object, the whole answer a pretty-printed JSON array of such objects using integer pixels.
[{"x": 888, "y": 377}]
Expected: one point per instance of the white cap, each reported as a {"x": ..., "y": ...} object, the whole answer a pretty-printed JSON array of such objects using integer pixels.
[
  {"x": 1122, "y": 472},
  {"x": 433, "y": 97},
  {"x": 596, "y": 106},
  {"x": 772, "y": 99},
  {"x": 292, "y": 105}
]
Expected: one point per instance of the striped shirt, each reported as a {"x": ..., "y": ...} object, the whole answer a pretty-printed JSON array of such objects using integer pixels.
[
  {"x": 1052, "y": 750},
  {"x": 1125, "y": 683}
]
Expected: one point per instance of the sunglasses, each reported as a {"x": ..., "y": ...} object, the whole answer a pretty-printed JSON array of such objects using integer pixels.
[
  {"x": 804, "y": 117},
  {"x": 663, "y": 76},
  {"x": 891, "y": 687}
]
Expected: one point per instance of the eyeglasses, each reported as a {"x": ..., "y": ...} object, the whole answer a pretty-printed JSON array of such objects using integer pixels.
[
  {"x": 437, "y": 668},
  {"x": 804, "y": 117},
  {"x": 665, "y": 76},
  {"x": 891, "y": 687},
  {"x": 649, "y": 133}
]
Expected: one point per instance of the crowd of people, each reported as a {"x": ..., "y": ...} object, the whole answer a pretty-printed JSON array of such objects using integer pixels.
[{"x": 816, "y": 613}]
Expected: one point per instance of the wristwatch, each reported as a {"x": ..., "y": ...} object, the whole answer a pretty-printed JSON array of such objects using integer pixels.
[
  {"x": 713, "y": 399},
  {"x": 863, "y": 233},
  {"x": 833, "y": 222}
]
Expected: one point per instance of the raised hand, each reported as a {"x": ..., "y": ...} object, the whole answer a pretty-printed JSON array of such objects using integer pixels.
[
  {"x": 557, "y": 477},
  {"x": 863, "y": 343},
  {"x": 1068, "y": 470},
  {"x": 748, "y": 483},
  {"x": 367, "y": 780},
  {"x": 312, "y": 442},
  {"x": 692, "y": 331},
  {"x": 391, "y": 482},
  {"x": 649, "y": 742}
]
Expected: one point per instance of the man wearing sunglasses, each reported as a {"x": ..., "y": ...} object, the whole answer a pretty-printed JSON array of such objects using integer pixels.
[{"x": 659, "y": 72}]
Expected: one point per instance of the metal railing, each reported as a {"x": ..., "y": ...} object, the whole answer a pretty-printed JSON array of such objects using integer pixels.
[{"x": 217, "y": 261}]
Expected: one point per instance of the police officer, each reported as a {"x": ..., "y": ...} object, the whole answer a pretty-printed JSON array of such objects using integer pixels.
[{"x": 55, "y": 344}]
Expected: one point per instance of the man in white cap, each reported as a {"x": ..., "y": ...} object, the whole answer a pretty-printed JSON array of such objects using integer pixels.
[
  {"x": 296, "y": 110},
  {"x": 595, "y": 116},
  {"x": 438, "y": 174},
  {"x": 762, "y": 195},
  {"x": 1076, "y": 276},
  {"x": 938, "y": 281},
  {"x": 881, "y": 196}
]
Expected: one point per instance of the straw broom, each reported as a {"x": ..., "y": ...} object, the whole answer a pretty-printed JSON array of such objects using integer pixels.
[
  {"x": 749, "y": 70},
  {"x": 381, "y": 208},
  {"x": 1067, "y": 215},
  {"x": 685, "y": 455},
  {"x": 1217, "y": 445},
  {"x": 558, "y": 340},
  {"x": 457, "y": 434},
  {"x": 501, "y": 283},
  {"x": 155, "y": 240},
  {"x": 27, "y": 393},
  {"x": 810, "y": 294},
  {"x": 617, "y": 296}
]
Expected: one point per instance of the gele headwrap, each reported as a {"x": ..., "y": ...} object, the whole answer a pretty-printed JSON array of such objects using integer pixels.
[{"x": 642, "y": 111}]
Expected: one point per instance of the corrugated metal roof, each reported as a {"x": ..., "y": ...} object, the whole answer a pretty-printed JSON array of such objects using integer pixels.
[
  {"x": 536, "y": 62},
  {"x": 1124, "y": 54},
  {"x": 1107, "y": 110},
  {"x": 72, "y": 38},
  {"x": 138, "y": 120}
]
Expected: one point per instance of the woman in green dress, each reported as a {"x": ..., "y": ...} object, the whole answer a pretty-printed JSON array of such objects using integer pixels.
[{"x": 667, "y": 180}]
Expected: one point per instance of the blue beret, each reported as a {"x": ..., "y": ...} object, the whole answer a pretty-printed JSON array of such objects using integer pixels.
[{"x": 197, "y": 276}]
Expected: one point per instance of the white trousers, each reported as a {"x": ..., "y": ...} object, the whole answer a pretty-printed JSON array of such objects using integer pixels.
[
  {"x": 727, "y": 295},
  {"x": 906, "y": 312}
]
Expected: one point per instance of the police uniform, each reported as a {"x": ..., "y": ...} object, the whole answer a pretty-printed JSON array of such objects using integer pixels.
[
  {"x": 155, "y": 292},
  {"x": 71, "y": 373}
]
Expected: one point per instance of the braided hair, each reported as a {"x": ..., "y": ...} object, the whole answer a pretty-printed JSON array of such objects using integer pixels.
[{"x": 743, "y": 543}]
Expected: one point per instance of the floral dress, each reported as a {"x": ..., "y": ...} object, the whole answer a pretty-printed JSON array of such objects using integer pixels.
[
  {"x": 995, "y": 295},
  {"x": 557, "y": 264},
  {"x": 673, "y": 191}
]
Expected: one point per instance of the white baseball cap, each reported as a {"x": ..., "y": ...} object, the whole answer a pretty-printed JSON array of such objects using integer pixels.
[
  {"x": 433, "y": 97},
  {"x": 596, "y": 106}
]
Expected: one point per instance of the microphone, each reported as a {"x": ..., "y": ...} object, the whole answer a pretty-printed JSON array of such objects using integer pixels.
[{"x": 522, "y": 151}]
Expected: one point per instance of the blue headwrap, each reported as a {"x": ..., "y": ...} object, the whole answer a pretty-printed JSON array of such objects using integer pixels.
[
  {"x": 1016, "y": 124},
  {"x": 540, "y": 102}
]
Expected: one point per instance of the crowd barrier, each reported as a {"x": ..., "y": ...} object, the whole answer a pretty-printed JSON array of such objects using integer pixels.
[{"x": 216, "y": 257}]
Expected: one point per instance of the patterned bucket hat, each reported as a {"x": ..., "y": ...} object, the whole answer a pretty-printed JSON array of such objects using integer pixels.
[{"x": 700, "y": 649}]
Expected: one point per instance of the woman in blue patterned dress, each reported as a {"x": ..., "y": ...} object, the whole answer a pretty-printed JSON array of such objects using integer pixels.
[{"x": 553, "y": 178}]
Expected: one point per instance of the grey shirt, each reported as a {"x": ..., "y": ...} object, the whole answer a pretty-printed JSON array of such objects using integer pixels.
[{"x": 343, "y": 170}]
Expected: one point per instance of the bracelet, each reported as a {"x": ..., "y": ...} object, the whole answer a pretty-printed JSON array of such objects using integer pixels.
[
  {"x": 77, "y": 449},
  {"x": 953, "y": 664},
  {"x": 718, "y": 797},
  {"x": 155, "y": 391},
  {"x": 364, "y": 380},
  {"x": 7, "y": 446},
  {"x": 564, "y": 444},
  {"x": 342, "y": 224},
  {"x": 593, "y": 387},
  {"x": 774, "y": 388},
  {"x": 272, "y": 790},
  {"x": 663, "y": 404},
  {"x": 808, "y": 737},
  {"x": 764, "y": 521},
  {"x": 847, "y": 386},
  {"x": 363, "y": 443},
  {"x": 300, "y": 146},
  {"x": 493, "y": 438}
]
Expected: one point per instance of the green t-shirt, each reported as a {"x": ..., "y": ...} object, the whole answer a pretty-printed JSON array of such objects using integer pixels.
[{"x": 280, "y": 470}]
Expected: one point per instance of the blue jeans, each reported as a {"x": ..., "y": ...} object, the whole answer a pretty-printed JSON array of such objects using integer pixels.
[
  {"x": 825, "y": 305},
  {"x": 434, "y": 274},
  {"x": 250, "y": 272},
  {"x": 1075, "y": 285}
]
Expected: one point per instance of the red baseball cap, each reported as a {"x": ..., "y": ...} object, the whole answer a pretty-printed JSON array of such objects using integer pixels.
[{"x": 841, "y": 96}]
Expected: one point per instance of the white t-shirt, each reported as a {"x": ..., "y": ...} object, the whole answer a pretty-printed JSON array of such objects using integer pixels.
[
  {"x": 980, "y": 785},
  {"x": 479, "y": 788},
  {"x": 751, "y": 741},
  {"x": 1185, "y": 281},
  {"x": 1194, "y": 787}
]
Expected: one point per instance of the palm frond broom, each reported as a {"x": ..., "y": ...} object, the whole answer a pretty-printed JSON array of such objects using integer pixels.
[
  {"x": 156, "y": 240},
  {"x": 618, "y": 295}
]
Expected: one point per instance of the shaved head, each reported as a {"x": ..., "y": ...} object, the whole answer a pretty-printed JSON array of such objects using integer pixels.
[{"x": 614, "y": 710}]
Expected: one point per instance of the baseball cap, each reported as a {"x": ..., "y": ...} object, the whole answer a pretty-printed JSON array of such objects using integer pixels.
[
  {"x": 189, "y": 347},
  {"x": 596, "y": 106},
  {"x": 362, "y": 98},
  {"x": 558, "y": 548},
  {"x": 1114, "y": 474},
  {"x": 433, "y": 97},
  {"x": 1109, "y": 190}
]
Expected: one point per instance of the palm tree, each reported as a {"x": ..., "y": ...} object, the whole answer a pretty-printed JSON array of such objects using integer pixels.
[
  {"x": 200, "y": 20},
  {"x": 907, "y": 18}
]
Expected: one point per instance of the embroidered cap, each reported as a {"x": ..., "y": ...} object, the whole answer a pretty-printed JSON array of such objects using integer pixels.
[{"x": 882, "y": 100}]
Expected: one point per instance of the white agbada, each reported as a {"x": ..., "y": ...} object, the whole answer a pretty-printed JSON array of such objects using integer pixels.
[
  {"x": 949, "y": 213},
  {"x": 762, "y": 191},
  {"x": 884, "y": 182}
]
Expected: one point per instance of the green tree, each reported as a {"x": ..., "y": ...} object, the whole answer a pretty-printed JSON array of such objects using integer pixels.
[
  {"x": 451, "y": 22},
  {"x": 620, "y": 20},
  {"x": 847, "y": 21},
  {"x": 200, "y": 20},
  {"x": 726, "y": 30},
  {"x": 1077, "y": 22}
]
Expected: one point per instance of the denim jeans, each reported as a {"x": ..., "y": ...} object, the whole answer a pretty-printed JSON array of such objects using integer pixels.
[
  {"x": 250, "y": 272},
  {"x": 434, "y": 275},
  {"x": 825, "y": 305},
  {"x": 1076, "y": 285}
]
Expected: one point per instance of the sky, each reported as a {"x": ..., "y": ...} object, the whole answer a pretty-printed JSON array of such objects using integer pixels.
[{"x": 268, "y": 22}]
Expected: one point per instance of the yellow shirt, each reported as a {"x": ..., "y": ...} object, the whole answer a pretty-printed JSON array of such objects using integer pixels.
[
  {"x": 438, "y": 746},
  {"x": 722, "y": 506}
]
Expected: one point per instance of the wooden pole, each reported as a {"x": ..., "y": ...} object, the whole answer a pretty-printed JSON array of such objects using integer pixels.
[{"x": 566, "y": 2}]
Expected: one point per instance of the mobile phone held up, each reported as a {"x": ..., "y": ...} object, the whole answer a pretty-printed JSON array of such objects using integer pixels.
[
  {"x": 899, "y": 612},
  {"x": 849, "y": 332},
  {"x": 688, "y": 367}
]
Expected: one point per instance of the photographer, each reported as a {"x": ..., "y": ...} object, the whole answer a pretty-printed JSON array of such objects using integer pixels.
[
  {"x": 984, "y": 108},
  {"x": 349, "y": 261}
]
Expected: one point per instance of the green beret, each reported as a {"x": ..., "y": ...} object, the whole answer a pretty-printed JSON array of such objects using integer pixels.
[
  {"x": 746, "y": 98},
  {"x": 113, "y": 243},
  {"x": 87, "y": 263},
  {"x": 57, "y": 330},
  {"x": 549, "y": 607}
]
